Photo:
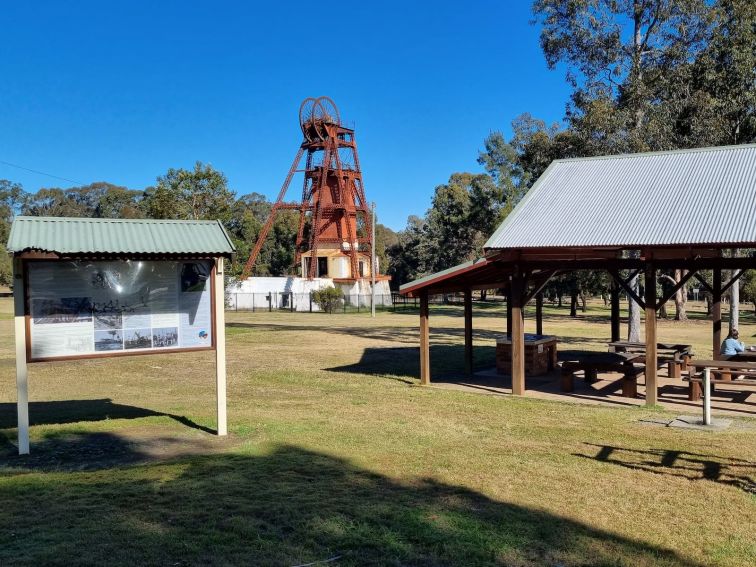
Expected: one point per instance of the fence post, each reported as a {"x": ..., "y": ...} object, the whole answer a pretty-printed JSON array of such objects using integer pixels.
[
  {"x": 291, "y": 300},
  {"x": 253, "y": 303},
  {"x": 310, "y": 302},
  {"x": 270, "y": 302},
  {"x": 343, "y": 302}
]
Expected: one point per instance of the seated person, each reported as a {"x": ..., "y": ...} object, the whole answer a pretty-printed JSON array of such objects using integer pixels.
[{"x": 731, "y": 345}]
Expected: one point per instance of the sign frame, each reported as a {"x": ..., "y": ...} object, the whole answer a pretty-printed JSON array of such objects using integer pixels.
[{"x": 26, "y": 262}]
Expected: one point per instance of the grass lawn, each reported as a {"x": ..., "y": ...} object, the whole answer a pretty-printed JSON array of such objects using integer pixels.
[{"x": 336, "y": 453}]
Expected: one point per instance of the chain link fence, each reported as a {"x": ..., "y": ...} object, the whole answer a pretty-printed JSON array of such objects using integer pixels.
[{"x": 304, "y": 303}]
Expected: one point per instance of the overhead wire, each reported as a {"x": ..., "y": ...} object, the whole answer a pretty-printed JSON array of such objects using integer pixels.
[{"x": 41, "y": 172}]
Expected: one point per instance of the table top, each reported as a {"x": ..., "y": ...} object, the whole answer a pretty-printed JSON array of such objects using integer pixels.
[
  {"x": 659, "y": 346},
  {"x": 749, "y": 355},
  {"x": 530, "y": 339},
  {"x": 608, "y": 358}
]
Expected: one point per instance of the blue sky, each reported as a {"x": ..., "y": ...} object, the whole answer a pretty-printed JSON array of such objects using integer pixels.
[{"x": 121, "y": 92}]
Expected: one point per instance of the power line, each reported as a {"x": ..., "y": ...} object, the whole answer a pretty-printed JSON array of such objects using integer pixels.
[{"x": 42, "y": 173}]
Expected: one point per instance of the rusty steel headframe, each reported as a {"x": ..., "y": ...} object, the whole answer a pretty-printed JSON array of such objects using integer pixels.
[{"x": 333, "y": 196}]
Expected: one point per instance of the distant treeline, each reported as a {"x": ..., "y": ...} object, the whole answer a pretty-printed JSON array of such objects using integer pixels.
[{"x": 198, "y": 193}]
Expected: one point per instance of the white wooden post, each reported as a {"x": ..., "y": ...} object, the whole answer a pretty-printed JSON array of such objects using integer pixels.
[
  {"x": 373, "y": 269},
  {"x": 707, "y": 396},
  {"x": 22, "y": 384},
  {"x": 220, "y": 347}
]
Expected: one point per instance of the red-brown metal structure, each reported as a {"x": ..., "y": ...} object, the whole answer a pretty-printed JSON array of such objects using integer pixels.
[{"x": 333, "y": 196}]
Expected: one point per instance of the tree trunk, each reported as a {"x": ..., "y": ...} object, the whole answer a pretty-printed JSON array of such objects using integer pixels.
[
  {"x": 681, "y": 297},
  {"x": 573, "y": 304},
  {"x": 735, "y": 305},
  {"x": 663, "y": 312},
  {"x": 633, "y": 311},
  {"x": 583, "y": 306},
  {"x": 707, "y": 297},
  {"x": 559, "y": 298}
]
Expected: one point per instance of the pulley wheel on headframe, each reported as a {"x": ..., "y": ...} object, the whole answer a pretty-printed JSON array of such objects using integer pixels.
[{"x": 314, "y": 113}]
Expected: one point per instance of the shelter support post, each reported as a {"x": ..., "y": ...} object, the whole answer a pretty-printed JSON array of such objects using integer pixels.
[
  {"x": 220, "y": 348},
  {"x": 716, "y": 312},
  {"x": 615, "y": 303},
  {"x": 518, "y": 335},
  {"x": 22, "y": 383},
  {"x": 539, "y": 313},
  {"x": 651, "y": 354},
  {"x": 468, "y": 333},
  {"x": 424, "y": 340},
  {"x": 509, "y": 311}
]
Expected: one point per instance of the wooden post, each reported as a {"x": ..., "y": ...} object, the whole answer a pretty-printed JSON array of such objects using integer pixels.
[
  {"x": 22, "y": 377},
  {"x": 539, "y": 313},
  {"x": 518, "y": 336},
  {"x": 651, "y": 355},
  {"x": 716, "y": 313},
  {"x": 468, "y": 333},
  {"x": 424, "y": 340},
  {"x": 615, "y": 299},
  {"x": 509, "y": 311},
  {"x": 220, "y": 348}
]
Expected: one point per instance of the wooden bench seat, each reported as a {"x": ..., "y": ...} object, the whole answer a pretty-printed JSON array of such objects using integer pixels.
[
  {"x": 695, "y": 382},
  {"x": 612, "y": 362}
]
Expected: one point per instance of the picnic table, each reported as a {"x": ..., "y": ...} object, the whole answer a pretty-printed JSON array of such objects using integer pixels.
[
  {"x": 747, "y": 356},
  {"x": 625, "y": 363},
  {"x": 704, "y": 374},
  {"x": 676, "y": 356}
]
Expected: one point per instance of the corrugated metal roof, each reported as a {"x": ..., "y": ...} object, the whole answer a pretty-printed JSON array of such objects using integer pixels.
[
  {"x": 443, "y": 274},
  {"x": 119, "y": 236},
  {"x": 688, "y": 197}
]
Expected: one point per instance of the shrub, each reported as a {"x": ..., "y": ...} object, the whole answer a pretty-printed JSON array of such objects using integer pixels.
[{"x": 327, "y": 298}]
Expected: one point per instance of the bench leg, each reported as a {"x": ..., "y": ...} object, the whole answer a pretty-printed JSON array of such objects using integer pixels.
[
  {"x": 674, "y": 369},
  {"x": 694, "y": 391},
  {"x": 591, "y": 375},
  {"x": 568, "y": 381},
  {"x": 629, "y": 386}
]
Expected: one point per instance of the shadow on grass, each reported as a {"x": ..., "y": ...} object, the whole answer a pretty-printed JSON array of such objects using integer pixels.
[
  {"x": 693, "y": 466},
  {"x": 74, "y": 411},
  {"x": 289, "y": 507}
]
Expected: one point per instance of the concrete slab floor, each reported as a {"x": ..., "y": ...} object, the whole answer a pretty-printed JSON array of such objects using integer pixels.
[{"x": 730, "y": 400}]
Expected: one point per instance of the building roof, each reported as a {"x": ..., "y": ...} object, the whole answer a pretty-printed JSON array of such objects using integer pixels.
[
  {"x": 475, "y": 274},
  {"x": 684, "y": 197},
  {"x": 82, "y": 236}
]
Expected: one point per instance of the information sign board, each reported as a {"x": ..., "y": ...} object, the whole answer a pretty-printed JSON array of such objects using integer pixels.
[{"x": 103, "y": 308}]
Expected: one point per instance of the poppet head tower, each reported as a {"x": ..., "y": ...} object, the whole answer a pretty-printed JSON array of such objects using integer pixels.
[{"x": 334, "y": 236}]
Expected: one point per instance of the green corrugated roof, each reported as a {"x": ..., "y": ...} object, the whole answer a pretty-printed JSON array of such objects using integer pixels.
[
  {"x": 64, "y": 235},
  {"x": 420, "y": 282}
]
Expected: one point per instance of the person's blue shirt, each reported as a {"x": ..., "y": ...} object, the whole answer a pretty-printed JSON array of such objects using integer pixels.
[{"x": 732, "y": 346}]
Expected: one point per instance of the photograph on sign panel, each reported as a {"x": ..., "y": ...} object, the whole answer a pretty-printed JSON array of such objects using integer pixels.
[
  {"x": 137, "y": 338},
  {"x": 165, "y": 338},
  {"x": 194, "y": 276},
  {"x": 107, "y": 321},
  {"x": 108, "y": 340},
  {"x": 62, "y": 310}
]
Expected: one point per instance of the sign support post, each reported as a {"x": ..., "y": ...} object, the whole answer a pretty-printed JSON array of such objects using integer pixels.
[
  {"x": 22, "y": 382},
  {"x": 220, "y": 348}
]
